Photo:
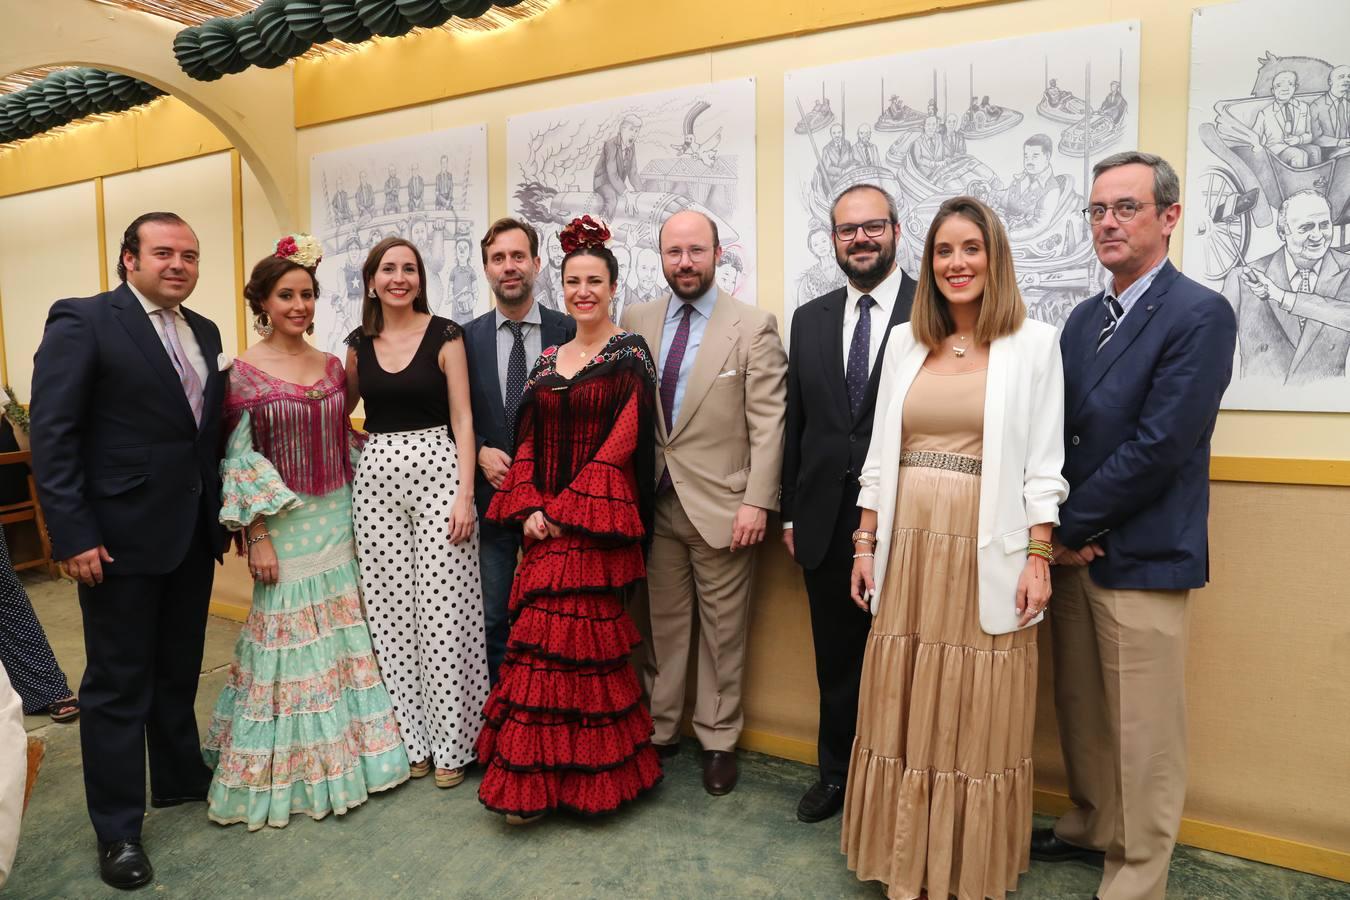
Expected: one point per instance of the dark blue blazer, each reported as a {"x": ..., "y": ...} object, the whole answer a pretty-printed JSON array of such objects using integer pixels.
[
  {"x": 118, "y": 458},
  {"x": 1138, "y": 418},
  {"x": 489, "y": 414}
]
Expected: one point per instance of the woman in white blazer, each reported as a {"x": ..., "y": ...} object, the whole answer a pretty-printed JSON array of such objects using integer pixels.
[{"x": 960, "y": 491}]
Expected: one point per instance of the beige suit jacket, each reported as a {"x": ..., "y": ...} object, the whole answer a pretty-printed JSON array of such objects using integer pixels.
[{"x": 726, "y": 448}]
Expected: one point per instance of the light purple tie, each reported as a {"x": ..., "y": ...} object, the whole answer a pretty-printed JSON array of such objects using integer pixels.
[{"x": 187, "y": 375}]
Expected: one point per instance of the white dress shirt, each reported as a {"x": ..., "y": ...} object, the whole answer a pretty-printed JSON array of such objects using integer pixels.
[
  {"x": 185, "y": 335},
  {"x": 884, "y": 295}
]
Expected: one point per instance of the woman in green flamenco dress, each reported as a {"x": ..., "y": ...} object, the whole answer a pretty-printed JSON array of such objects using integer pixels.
[{"x": 304, "y": 724}]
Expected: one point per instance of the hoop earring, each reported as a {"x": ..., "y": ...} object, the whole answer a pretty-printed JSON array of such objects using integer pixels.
[
  {"x": 309, "y": 329},
  {"x": 262, "y": 325}
]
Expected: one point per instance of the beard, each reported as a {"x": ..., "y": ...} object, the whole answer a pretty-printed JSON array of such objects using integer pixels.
[
  {"x": 705, "y": 281},
  {"x": 870, "y": 275},
  {"x": 514, "y": 296}
]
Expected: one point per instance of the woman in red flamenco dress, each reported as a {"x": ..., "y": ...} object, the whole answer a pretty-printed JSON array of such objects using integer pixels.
[{"x": 566, "y": 728}]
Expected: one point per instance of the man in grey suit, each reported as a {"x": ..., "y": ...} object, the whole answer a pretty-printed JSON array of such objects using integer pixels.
[{"x": 1331, "y": 114}]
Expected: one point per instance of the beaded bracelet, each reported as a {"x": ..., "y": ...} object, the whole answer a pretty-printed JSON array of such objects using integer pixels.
[
  {"x": 259, "y": 536},
  {"x": 864, "y": 556}
]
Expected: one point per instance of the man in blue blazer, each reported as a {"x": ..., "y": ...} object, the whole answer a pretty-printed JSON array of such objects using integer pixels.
[
  {"x": 838, "y": 342},
  {"x": 1146, "y": 363},
  {"x": 126, "y": 434},
  {"x": 502, "y": 346}
]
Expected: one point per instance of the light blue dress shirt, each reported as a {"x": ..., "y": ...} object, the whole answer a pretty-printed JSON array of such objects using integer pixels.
[
  {"x": 1127, "y": 297},
  {"x": 698, "y": 323}
]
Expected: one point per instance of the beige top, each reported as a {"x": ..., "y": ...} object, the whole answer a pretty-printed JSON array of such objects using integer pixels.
[{"x": 945, "y": 413}]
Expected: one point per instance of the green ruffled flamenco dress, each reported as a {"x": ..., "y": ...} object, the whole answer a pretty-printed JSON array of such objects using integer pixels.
[{"x": 304, "y": 724}]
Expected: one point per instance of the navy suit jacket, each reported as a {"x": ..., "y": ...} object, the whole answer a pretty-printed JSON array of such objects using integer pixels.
[
  {"x": 825, "y": 443},
  {"x": 489, "y": 414},
  {"x": 1138, "y": 417},
  {"x": 118, "y": 458}
]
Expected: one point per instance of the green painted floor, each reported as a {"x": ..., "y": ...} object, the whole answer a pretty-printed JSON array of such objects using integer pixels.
[{"x": 418, "y": 841}]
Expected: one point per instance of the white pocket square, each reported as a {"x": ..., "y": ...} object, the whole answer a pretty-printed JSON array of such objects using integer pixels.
[
  {"x": 729, "y": 373},
  {"x": 223, "y": 362}
]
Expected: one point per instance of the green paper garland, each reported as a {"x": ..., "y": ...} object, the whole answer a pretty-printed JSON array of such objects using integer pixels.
[{"x": 68, "y": 95}]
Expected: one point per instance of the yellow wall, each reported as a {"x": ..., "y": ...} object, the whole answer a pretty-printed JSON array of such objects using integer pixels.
[
  {"x": 1270, "y": 656},
  {"x": 48, "y": 250}
]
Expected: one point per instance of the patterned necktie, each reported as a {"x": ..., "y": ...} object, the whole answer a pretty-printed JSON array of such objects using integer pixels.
[
  {"x": 187, "y": 376},
  {"x": 515, "y": 373},
  {"x": 1305, "y": 286},
  {"x": 670, "y": 372},
  {"x": 1288, "y": 118},
  {"x": 1114, "y": 312},
  {"x": 859, "y": 349}
]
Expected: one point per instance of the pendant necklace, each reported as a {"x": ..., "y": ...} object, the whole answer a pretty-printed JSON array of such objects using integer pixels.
[{"x": 961, "y": 350}]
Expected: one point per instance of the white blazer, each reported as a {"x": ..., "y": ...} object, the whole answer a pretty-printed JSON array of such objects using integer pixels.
[{"x": 1022, "y": 482}]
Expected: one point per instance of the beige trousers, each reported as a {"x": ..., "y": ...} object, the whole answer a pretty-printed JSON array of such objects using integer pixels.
[
  {"x": 13, "y": 772},
  {"x": 1120, "y": 698},
  {"x": 685, "y": 574}
]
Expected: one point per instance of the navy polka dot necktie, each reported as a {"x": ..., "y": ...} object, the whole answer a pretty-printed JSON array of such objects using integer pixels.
[
  {"x": 857, "y": 371},
  {"x": 515, "y": 373}
]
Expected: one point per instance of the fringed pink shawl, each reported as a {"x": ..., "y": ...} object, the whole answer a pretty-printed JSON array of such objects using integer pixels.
[{"x": 303, "y": 431}]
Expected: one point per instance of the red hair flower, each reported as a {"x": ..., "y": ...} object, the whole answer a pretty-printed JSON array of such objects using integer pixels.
[{"x": 583, "y": 232}]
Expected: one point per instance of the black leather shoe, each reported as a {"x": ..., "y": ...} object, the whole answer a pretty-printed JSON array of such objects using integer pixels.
[
  {"x": 820, "y": 802},
  {"x": 166, "y": 802},
  {"x": 719, "y": 771},
  {"x": 1046, "y": 846},
  {"x": 124, "y": 865},
  {"x": 666, "y": 751}
]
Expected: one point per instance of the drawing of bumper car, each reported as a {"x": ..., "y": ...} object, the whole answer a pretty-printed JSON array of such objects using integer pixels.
[
  {"x": 984, "y": 125},
  {"x": 1099, "y": 131},
  {"x": 1068, "y": 112},
  {"x": 817, "y": 118},
  {"x": 1245, "y": 190},
  {"x": 906, "y": 118}
]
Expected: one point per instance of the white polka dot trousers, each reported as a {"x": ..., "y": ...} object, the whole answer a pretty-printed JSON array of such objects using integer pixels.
[{"x": 422, "y": 594}]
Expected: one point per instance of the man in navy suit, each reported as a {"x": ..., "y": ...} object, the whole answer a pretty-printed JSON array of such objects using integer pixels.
[
  {"x": 502, "y": 346},
  {"x": 126, "y": 434},
  {"x": 838, "y": 341},
  {"x": 1146, "y": 363}
]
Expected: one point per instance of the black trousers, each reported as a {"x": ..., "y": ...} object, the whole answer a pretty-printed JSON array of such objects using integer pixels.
[
  {"x": 839, "y": 632},
  {"x": 143, "y": 636}
]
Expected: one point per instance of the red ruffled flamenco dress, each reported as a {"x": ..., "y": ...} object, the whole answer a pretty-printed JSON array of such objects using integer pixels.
[{"x": 566, "y": 727}]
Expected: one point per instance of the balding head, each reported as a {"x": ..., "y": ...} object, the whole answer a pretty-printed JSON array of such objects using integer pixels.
[
  {"x": 1339, "y": 82},
  {"x": 690, "y": 218}
]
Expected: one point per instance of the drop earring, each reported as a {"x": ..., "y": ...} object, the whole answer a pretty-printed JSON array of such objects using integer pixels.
[
  {"x": 371, "y": 295},
  {"x": 262, "y": 325},
  {"x": 309, "y": 329}
]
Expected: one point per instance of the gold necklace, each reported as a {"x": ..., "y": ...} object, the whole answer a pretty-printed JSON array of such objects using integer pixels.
[{"x": 961, "y": 350}]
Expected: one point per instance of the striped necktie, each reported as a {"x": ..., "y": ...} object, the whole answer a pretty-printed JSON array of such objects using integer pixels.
[{"x": 1114, "y": 313}]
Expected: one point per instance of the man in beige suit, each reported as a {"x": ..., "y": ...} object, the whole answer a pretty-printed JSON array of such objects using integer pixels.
[{"x": 719, "y": 451}]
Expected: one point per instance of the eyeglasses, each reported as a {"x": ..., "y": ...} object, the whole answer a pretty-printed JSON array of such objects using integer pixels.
[
  {"x": 847, "y": 231},
  {"x": 695, "y": 254},
  {"x": 1123, "y": 210}
]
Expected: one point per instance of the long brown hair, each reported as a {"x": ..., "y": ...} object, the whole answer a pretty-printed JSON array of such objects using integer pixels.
[
  {"x": 1001, "y": 309},
  {"x": 372, "y": 313}
]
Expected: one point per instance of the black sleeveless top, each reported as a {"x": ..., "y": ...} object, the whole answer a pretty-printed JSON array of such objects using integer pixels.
[{"x": 414, "y": 398}]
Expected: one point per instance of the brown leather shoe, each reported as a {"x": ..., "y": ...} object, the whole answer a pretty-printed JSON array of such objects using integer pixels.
[{"x": 719, "y": 771}]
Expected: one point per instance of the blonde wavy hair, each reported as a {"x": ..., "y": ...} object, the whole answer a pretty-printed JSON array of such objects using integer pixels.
[{"x": 1001, "y": 309}]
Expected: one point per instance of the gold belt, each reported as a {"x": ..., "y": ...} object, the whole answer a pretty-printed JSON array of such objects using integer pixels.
[{"x": 932, "y": 459}]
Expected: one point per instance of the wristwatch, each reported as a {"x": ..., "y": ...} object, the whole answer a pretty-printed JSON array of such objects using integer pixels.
[{"x": 864, "y": 537}]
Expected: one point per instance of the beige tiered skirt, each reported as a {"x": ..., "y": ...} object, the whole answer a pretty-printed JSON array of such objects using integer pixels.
[{"x": 939, "y": 784}]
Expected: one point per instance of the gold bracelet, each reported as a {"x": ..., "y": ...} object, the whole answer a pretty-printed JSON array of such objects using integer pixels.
[{"x": 864, "y": 556}]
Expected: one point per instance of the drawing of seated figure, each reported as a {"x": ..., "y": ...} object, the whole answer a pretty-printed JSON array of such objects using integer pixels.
[
  {"x": 417, "y": 188},
  {"x": 865, "y": 153},
  {"x": 897, "y": 109},
  {"x": 930, "y": 151},
  {"x": 1114, "y": 106},
  {"x": 952, "y": 136},
  {"x": 974, "y": 118},
  {"x": 1285, "y": 126},
  {"x": 616, "y": 169},
  {"x": 1293, "y": 305},
  {"x": 365, "y": 198},
  {"x": 342, "y": 207},
  {"x": 391, "y": 189},
  {"x": 445, "y": 185},
  {"x": 1030, "y": 200},
  {"x": 1054, "y": 94},
  {"x": 836, "y": 158},
  {"x": 1331, "y": 114},
  {"x": 990, "y": 110}
]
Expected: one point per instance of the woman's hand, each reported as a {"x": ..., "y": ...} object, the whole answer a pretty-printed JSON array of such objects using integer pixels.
[
  {"x": 462, "y": 516},
  {"x": 538, "y": 527},
  {"x": 262, "y": 561},
  {"x": 861, "y": 583},
  {"x": 1033, "y": 590}
]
